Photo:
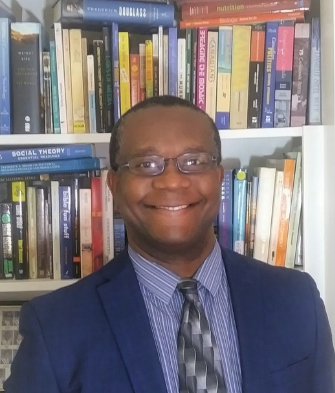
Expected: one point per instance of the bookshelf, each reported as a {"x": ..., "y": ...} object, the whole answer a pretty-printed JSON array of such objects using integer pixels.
[{"x": 244, "y": 147}]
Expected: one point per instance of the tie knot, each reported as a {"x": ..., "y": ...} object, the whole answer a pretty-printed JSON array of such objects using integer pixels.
[{"x": 188, "y": 287}]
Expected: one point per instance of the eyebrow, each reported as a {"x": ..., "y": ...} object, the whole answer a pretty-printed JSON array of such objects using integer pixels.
[{"x": 151, "y": 150}]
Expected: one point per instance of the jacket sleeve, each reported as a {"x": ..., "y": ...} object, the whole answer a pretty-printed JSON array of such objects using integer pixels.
[
  {"x": 31, "y": 370},
  {"x": 324, "y": 365}
]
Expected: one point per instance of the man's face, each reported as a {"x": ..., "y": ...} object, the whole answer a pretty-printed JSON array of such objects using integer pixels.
[{"x": 172, "y": 209}]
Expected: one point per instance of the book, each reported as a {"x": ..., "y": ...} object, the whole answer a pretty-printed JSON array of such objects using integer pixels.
[
  {"x": 182, "y": 68},
  {"x": 65, "y": 230},
  {"x": 116, "y": 71},
  {"x": 126, "y": 12},
  {"x": 173, "y": 61},
  {"x": 106, "y": 33},
  {"x": 98, "y": 52},
  {"x": 55, "y": 230},
  {"x": 97, "y": 232},
  {"x": 85, "y": 206},
  {"x": 54, "y": 88},
  {"x": 32, "y": 232},
  {"x": 46, "y": 153},
  {"x": 124, "y": 72},
  {"x": 91, "y": 86},
  {"x": 225, "y": 216},
  {"x": 107, "y": 219},
  {"x": 212, "y": 73},
  {"x": 68, "y": 80},
  {"x": 84, "y": 49},
  {"x": 239, "y": 210},
  {"x": 149, "y": 69},
  {"x": 48, "y": 124},
  {"x": 73, "y": 165},
  {"x": 201, "y": 68},
  {"x": 5, "y": 74},
  {"x": 6, "y": 244},
  {"x": 142, "y": 70},
  {"x": 314, "y": 97}
]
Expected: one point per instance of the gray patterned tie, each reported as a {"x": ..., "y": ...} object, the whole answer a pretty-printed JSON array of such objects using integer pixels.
[{"x": 200, "y": 369}]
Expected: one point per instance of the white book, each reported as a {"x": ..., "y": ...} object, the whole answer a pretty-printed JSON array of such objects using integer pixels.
[
  {"x": 107, "y": 219},
  {"x": 212, "y": 73},
  {"x": 266, "y": 186},
  {"x": 91, "y": 94},
  {"x": 166, "y": 64},
  {"x": 276, "y": 211},
  {"x": 160, "y": 61},
  {"x": 67, "y": 78},
  {"x": 60, "y": 78},
  {"x": 85, "y": 212},
  {"x": 55, "y": 230},
  {"x": 32, "y": 232},
  {"x": 182, "y": 68}
]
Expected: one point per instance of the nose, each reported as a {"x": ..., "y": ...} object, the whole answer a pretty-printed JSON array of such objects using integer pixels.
[{"x": 171, "y": 178}]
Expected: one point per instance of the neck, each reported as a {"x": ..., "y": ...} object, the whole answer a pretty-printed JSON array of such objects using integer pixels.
[{"x": 183, "y": 261}]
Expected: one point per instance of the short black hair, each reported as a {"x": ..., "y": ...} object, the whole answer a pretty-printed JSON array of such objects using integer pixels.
[{"x": 167, "y": 101}]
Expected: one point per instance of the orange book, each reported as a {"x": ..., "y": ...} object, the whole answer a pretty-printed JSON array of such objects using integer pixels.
[
  {"x": 134, "y": 79},
  {"x": 288, "y": 166},
  {"x": 97, "y": 235},
  {"x": 245, "y": 19}
]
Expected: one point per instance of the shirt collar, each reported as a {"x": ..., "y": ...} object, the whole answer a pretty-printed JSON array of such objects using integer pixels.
[{"x": 162, "y": 282}]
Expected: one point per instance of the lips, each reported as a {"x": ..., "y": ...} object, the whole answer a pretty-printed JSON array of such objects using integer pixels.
[{"x": 172, "y": 208}]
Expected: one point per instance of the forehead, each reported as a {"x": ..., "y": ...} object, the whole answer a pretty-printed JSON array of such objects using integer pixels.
[{"x": 167, "y": 131}]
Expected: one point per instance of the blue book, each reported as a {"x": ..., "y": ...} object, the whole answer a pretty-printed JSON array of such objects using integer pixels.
[
  {"x": 225, "y": 217},
  {"x": 119, "y": 235},
  {"x": 45, "y": 153},
  {"x": 314, "y": 99},
  {"x": 65, "y": 232},
  {"x": 54, "y": 88},
  {"x": 5, "y": 96},
  {"x": 125, "y": 12},
  {"x": 116, "y": 71},
  {"x": 268, "y": 106},
  {"x": 173, "y": 61},
  {"x": 61, "y": 166},
  {"x": 240, "y": 210}
]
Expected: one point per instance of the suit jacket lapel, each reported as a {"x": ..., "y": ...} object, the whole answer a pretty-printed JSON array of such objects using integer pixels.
[
  {"x": 244, "y": 283},
  {"x": 125, "y": 308}
]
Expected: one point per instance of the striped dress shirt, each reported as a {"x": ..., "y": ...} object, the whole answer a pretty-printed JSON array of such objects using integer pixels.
[{"x": 164, "y": 306}]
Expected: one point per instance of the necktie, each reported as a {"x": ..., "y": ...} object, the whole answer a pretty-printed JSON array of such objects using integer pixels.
[{"x": 199, "y": 363}]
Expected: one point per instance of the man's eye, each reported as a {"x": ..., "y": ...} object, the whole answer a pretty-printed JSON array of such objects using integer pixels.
[
  {"x": 147, "y": 164},
  {"x": 194, "y": 162}
]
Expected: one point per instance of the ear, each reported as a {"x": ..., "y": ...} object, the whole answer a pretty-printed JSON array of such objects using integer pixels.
[
  {"x": 221, "y": 173},
  {"x": 112, "y": 182}
]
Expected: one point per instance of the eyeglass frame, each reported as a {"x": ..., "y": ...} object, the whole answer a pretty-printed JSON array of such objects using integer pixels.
[{"x": 165, "y": 160}]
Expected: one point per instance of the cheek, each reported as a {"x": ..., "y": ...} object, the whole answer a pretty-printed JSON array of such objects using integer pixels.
[{"x": 131, "y": 191}]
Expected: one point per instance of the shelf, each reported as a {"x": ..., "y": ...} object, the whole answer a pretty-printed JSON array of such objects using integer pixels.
[
  {"x": 17, "y": 290},
  {"x": 65, "y": 139}
]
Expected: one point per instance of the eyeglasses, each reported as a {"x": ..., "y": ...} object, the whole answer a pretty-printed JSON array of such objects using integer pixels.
[{"x": 155, "y": 165}]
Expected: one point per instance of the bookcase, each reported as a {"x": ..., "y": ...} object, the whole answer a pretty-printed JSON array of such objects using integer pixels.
[{"x": 244, "y": 147}]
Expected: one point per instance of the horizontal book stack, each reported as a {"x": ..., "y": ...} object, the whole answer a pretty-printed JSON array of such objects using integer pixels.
[
  {"x": 260, "y": 212},
  {"x": 57, "y": 219},
  {"x": 106, "y": 56}
]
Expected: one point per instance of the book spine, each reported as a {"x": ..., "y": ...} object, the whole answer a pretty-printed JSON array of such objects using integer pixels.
[
  {"x": 269, "y": 82},
  {"x": 301, "y": 61},
  {"x": 212, "y": 71},
  {"x": 135, "y": 78},
  {"x": 225, "y": 218},
  {"x": 26, "y": 90},
  {"x": 160, "y": 61},
  {"x": 242, "y": 20},
  {"x": 181, "y": 68},
  {"x": 76, "y": 58},
  {"x": 142, "y": 71},
  {"x": 201, "y": 68},
  {"x": 48, "y": 232},
  {"x": 284, "y": 74},
  {"x": 194, "y": 37},
  {"x": 54, "y": 89},
  {"x": 96, "y": 211},
  {"x": 215, "y": 9},
  {"x": 224, "y": 77},
  {"x": 71, "y": 165},
  {"x": 60, "y": 78},
  {"x": 166, "y": 65},
  {"x": 5, "y": 96},
  {"x": 85, "y": 232},
  {"x": 20, "y": 230},
  {"x": 91, "y": 94},
  {"x": 188, "y": 71},
  {"x": 253, "y": 209},
  {"x": 65, "y": 229},
  {"x": 85, "y": 84},
  {"x": 56, "y": 256},
  {"x": 68, "y": 80},
  {"x": 173, "y": 61},
  {"x": 155, "y": 63},
  {"x": 256, "y": 75},
  {"x": 45, "y": 153},
  {"x": 32, "y": 232},
  {"x": 99, "y": 94},
  {"x": 6, "y": 257},
  {"x": 106, "y": 32},
  {"x": 240, "y": 77},
  {"x": 127, "y": 12},
  {"x": 314, "y": 99},
  {"x": 124, "y": 72},
  {"x": 247, "y": 219},
  {"x": 149, "y": 69},
  {"x": 116, "y": 71},
  {"x": 107, "y": 219},
  {"x": 239, "y": 211},
  {"x": 48, "y": 124},
  {"x": 41, "y": 233},
  {"x": 119, "y": 235}
]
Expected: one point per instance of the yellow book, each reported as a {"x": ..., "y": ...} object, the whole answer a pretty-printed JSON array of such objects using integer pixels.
[
  {"x": 240, "y": 76},
  {"x": 68, "y": 83},
  {"x": 78, "y": 104},
  {"x": 149, "y": 71},
  {"x": 125, "y": 102}
]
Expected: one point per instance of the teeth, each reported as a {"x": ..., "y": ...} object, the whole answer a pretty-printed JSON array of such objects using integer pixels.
[{"x": 172, "y": 208}]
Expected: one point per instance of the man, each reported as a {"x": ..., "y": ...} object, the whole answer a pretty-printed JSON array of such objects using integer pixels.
[{"x": 174, "y": 312}]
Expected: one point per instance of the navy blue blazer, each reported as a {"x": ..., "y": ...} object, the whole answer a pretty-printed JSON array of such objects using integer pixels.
[{"x": 95, "y": 336}]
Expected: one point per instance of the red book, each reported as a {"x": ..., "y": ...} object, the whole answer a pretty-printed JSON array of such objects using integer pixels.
[{"x": 97, "y": 235}]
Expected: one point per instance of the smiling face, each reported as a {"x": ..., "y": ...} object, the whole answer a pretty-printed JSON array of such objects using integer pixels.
[{"x": 171, "y": 211}]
